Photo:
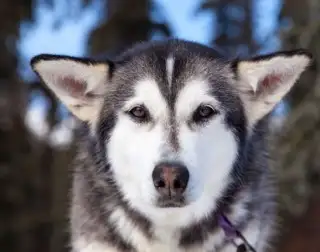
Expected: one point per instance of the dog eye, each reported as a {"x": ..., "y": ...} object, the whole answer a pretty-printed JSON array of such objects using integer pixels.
[
  {"x": 203, "y": 113},
  {"x": 139, "y": 113}
]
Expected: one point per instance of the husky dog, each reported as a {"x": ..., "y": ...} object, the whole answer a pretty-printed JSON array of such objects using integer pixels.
[{"x": 172, "y": 135}]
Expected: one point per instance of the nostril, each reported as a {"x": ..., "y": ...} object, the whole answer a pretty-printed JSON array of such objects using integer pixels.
[
  {"x": 160, "y": 183},
  {"x": 177, "y": 184}
]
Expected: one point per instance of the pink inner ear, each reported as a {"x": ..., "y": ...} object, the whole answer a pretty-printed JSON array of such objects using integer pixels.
[
  {"x": 75, "y": 88},
  {"x": 270, "y": 80}
]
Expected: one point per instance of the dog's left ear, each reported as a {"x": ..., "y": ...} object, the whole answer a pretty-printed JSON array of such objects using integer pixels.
[
  {"x": 80, "y": 84},
  {"x": 263, "y": 81}
]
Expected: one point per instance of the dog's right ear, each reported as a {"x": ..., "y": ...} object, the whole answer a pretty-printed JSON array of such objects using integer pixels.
[
  {"x": 263, "y": 81},
  {"x": 79, "y": 83}
]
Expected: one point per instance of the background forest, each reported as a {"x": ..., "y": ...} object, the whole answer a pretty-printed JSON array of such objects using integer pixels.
[{"x": 36, "y": 139}]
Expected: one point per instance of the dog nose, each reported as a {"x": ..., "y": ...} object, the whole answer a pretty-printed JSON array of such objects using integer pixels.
[{"x": 170, "y": 179}]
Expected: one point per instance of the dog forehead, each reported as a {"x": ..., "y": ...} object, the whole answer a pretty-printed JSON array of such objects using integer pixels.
[
  {"x": 147, "y": 92},
  {"x": 166, "y": 69},
  {"x": 195, "y": 92}
]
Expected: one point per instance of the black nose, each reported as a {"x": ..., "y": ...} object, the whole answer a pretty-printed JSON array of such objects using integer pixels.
[{"x": 170, "y": 179}]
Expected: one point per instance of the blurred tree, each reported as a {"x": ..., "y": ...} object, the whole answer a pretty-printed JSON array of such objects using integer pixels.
[
  {"x": 29, "y": 168},
  {"x": 11, "y": 88},
  {"x": 126, "y": 23},
  {"x": 13, "y": 133},
  {"x": 233, "y": 29}
]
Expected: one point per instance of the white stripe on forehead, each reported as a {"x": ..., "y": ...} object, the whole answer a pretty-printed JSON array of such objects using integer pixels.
[
  {"x": 194, "y": 93},
  {"x": 147, "y": 92},
  {"x": 169, "y": 67}
]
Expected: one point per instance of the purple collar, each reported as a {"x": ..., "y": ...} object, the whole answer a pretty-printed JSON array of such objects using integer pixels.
[{"x": 232, "y": 233}]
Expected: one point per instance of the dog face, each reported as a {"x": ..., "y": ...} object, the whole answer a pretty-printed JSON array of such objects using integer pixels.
[{"x": 179, "y": 113}]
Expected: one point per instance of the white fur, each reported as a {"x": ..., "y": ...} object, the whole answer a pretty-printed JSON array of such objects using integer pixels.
[
  {"x": 85, "y": 245},
  {"x": 170, "y": 65},
  {"x": 166, "y": 240},
  {"x": 93, "y": 76},
  {"x": 208, "y": 152},
  {"x": 251, "y": 73}
]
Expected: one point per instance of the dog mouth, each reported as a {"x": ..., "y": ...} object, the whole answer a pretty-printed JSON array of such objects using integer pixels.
[{"x": 176, "y": 202}]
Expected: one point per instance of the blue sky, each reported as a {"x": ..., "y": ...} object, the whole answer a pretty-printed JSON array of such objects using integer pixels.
[{"x": 184, "y": 20}]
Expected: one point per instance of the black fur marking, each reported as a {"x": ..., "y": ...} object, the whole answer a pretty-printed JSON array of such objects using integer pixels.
[
  {"x": 103, "y": 133},
  {"x": 284, "y": 54},
  {"x": 86, "y": 61},
  {"x": 199, "y": 232},
  {"x": 139, "y": 221}
]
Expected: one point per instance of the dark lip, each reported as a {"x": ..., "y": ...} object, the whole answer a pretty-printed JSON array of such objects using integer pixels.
[{"x": 171, "y": 203}]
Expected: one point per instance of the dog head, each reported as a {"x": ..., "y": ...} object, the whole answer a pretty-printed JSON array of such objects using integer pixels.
[{"x": 177, "y": 115}]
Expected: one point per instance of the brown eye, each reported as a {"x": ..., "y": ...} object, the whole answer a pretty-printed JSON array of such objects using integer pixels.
[
  {"x": 139, "y": 113},
  {"x": 203, "y": 113}
]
